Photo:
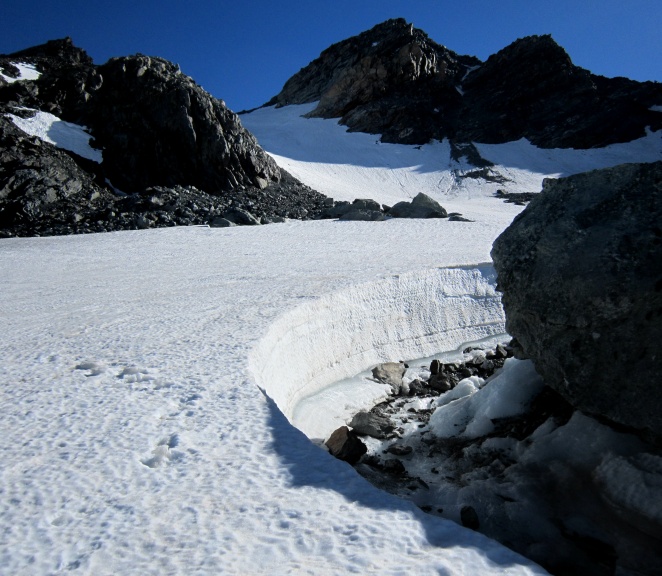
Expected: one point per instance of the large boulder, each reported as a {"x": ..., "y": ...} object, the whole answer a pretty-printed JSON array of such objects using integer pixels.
[
  {"x": 421, "y": 206},
  {"x": 581, "y": 274}
]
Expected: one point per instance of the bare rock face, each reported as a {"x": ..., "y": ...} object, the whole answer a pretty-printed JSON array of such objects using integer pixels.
[
  {"x": 158, "y": 127},
  {"x": 581, "y": 274},
  {"x": 174, "y": 154},
  {"x": 532, "y": 89},
  {"x": 382, "y": 81},
  {"x": 395, "y": 81}
]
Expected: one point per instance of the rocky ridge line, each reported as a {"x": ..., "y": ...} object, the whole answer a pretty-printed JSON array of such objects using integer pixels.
[{"x": 395, "y": 81}]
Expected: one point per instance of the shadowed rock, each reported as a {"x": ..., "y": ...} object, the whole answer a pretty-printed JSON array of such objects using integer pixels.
[{"x": 581, "y": 274}]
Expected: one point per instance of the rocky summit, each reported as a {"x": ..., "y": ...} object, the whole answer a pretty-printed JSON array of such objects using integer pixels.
[
  {"x": 172, "y": 153},
  {"x": 395, "y": 81}
]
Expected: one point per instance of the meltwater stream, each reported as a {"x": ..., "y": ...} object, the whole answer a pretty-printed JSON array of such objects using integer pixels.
[{"x": 319, "y": 414}]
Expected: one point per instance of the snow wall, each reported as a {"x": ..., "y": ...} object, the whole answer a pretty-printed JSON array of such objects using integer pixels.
[{"x": 407, "y": 316}]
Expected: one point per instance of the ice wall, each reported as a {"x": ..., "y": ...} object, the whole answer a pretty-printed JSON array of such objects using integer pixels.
[{"x": 406, "y": 316}]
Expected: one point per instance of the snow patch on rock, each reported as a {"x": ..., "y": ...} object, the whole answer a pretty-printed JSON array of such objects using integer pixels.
[{"x": 66, "y": 135}]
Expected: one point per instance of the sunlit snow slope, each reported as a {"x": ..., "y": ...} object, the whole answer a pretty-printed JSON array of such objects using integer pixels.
[
  {"x": 347, "y": 165},
  {"x": 134, "y": 438}
]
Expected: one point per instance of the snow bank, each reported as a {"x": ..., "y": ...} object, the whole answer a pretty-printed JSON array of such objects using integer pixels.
[
  {"x": 472, "y": 412},
  {"x": 403, "y": 317},
  {"x": 66, "y": 135}
]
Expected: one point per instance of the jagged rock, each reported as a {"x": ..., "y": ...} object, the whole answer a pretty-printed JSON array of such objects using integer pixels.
[
  {"x": 532, "y": 89},
  {"x": 422, "y": 206},
  {"x": 345, "y": 445},
  {"x": 42, "y": 189},
  {"x": 389, "y": 80},
  {"x": 581, "y": 274},
  {"x": 362, "y": 214},
  {"x": 158, "y": 127},
  {"x": 371, "y": 424},
  {"x": 395, "y": 81},
  {"x": 390, "y": 373}
]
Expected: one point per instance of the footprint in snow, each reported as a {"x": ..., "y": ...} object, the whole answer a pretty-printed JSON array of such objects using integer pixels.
[{"x": 164, "y": 453}]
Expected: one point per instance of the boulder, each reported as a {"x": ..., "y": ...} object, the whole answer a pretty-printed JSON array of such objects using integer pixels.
[
  {"x": 219, "y": 222},
  {"x": 371, "y": 424},
  {"x": 581, "y": 274},
  {"x": 345, "y": 445},
  {"x": 422, "y": 206},
  {"x": 366, "y": 204},
  {"x": 363, "y": 214},
  {"x": 241, "y": 217},
  {"x": 390, "y": 373}
]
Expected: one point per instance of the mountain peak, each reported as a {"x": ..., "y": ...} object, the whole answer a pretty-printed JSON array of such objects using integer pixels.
[
  {"x": 364, "y": 79},
  {"x": 61, "y": 50}
]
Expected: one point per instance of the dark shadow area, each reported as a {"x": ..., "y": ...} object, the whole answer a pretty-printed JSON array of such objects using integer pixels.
[{"x": 310, "y": 465}]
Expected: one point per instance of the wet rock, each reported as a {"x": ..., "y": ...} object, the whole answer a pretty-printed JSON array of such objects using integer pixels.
[
  {"x": 440, "y": 383},
  {"x": 581, "y": 274},
  {"x": 399, "y": 449},
  {"x": 395, "y": 467},
  {"x": 346, "y": 445}
]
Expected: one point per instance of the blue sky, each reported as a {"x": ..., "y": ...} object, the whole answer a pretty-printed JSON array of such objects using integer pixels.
[{"x": 244, "y": 51}]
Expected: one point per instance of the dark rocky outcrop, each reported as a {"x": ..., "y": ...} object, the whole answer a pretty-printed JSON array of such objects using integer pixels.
[
  {"x": 395, "y": 81},
  {"x": 178, "y": 155},
  {"x": 532, "y": 89},
  {"x": 581, "y": 274}
]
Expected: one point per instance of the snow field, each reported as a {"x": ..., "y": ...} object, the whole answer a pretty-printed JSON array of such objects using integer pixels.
[
  {"x": 345, "y": 166},
  {"x": 134, "y": 439}
]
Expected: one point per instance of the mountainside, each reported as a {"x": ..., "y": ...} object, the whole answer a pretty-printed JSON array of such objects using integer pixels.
[
  {"x": 135, "y": 143},
  {"x": 395, "y": 81},
  {"x": 172, "y": 154}
]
